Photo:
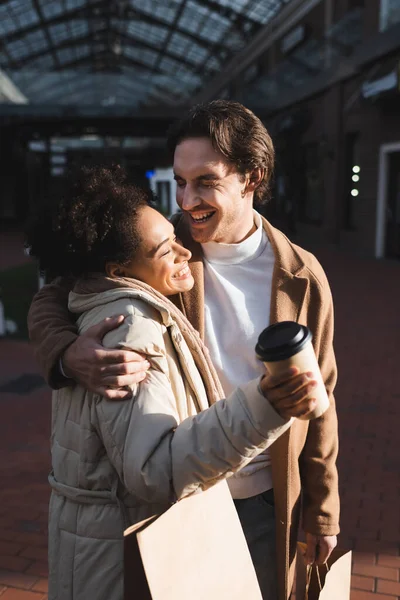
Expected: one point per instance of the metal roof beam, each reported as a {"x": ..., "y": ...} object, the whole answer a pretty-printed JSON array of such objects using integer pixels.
[
  {"x": 155, "y": 91},
  {"x": 226, "y": 11},
  {"x": 150, "y": 20},
  {"x": 85, "y": 39},
  {"x": 58, "y": 90},
  {"x": 83, "y": 12},
  {"x": 45, "y": 30},
  {"x": 284, "y": 20},
  {"x": 141, "y": 44},
  {"x": 38, "y": 85},
  {"x": 238, "y": 17},
  {"x": 90, "y": 29},
  {"x": 297, "y": 62},
  {"x": 238, "y": 24},
  {"x": 88, "y": 86},
  {"x": 4, "y": 49},
  {"x": 77, "y": 91},
  {"x": 87, "y": 11},
  {"x": 171, "y": 32},
  {"x": 87, "y": 60}
]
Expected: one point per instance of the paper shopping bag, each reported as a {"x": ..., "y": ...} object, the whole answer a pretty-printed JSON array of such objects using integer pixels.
[
  {"x": 195, "y": 550},
  {"x": 327, "y": 582}
]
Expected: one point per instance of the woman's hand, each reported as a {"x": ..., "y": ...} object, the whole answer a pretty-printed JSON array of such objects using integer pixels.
[
  {"x": 291, "y": 393},
  {"x": 104, "y": 372}
]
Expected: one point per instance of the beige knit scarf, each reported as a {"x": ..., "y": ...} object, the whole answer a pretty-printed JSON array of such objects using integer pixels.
[{"x": 98, "y": 283}]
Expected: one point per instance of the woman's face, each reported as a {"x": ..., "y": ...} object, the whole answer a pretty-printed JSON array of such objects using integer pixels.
[{"x": 161, "y": 261}]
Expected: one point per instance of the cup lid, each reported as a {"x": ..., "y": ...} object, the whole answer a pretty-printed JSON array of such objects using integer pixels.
[{"x": 282, "y": 340}]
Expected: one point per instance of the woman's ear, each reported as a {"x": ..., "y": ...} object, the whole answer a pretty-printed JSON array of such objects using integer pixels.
[{"x": 114, "y": 270}]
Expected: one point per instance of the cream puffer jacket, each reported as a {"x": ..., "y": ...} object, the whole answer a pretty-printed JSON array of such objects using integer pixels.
[{"x": 118, "y": 462}]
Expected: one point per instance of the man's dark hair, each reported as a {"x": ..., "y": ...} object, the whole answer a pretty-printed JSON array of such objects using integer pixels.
[
  {"x": 236, "y": 133},
  {"x": 95, "y": 222}
]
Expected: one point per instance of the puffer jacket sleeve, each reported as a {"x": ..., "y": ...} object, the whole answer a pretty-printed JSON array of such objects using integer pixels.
[{"x": 159, "y": 459}]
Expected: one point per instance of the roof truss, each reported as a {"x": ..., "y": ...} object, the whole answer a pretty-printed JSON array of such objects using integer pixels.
[{"x": 98, "y": 37}]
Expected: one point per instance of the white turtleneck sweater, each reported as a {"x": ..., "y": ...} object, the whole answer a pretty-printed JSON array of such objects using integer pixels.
[{"x": 238, "y": 280}]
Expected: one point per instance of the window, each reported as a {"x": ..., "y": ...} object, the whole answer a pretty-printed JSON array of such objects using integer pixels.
[
  {"x": 389, "y": 13},
  {"x": 164, "y": 197},
  {"x": 313, "y": 204}
]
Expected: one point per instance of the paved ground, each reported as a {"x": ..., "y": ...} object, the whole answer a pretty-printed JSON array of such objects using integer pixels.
[{"x": 367, "y": 304}]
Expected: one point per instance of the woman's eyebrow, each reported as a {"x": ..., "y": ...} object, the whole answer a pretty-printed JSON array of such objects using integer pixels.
[
  {"x": 161, "y": 244},
  {"x": 168, "y": 239}
]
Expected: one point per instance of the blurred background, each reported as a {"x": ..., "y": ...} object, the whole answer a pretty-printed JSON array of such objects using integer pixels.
[{"x": 99, "y": 82}]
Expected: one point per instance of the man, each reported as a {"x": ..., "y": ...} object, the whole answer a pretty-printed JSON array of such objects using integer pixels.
[{"x": 248, "y": 275}]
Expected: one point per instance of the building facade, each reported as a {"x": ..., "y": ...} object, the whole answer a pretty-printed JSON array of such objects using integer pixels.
[{"x": 328, "y": 89}]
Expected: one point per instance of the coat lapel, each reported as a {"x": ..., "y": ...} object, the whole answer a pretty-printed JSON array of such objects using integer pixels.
[
  {"x": 289, "y": 287},
  {"x": 288, "y": 294}
]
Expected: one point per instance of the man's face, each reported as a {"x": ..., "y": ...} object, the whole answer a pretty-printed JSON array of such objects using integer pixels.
[{"x": 210, "y": 193}]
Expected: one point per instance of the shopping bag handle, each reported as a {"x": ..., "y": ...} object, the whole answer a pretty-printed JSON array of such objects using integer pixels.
[{"x": 309, "y": 573}]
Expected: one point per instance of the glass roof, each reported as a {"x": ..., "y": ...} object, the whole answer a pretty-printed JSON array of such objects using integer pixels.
[
  {"x": 123, "y": 52},
  {"x": 307, "y": 61}
]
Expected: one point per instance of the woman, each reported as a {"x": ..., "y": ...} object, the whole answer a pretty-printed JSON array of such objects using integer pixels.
[{"x": 116, "y": 463}]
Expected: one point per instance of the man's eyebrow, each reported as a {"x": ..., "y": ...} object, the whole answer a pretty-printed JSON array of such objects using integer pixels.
[
  {"x": 208, "y": 176},
  {"x": 204, "y": 176}
]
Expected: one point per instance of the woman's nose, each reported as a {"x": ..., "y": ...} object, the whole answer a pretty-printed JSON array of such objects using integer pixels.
[
  {"x": 183, "y": 253},
  {"x": 188, "y": 254}
]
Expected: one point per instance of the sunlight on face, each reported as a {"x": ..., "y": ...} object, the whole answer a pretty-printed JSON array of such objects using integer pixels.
[
  {"x": 161, "y": 261},
  {"x": 210, "y": 193}
]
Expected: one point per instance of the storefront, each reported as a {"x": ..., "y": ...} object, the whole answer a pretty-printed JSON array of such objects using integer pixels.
[{"x": 384, "y": 92}]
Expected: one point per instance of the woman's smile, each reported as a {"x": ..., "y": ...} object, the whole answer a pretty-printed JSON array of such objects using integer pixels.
[{"x": 184, "y": 273}]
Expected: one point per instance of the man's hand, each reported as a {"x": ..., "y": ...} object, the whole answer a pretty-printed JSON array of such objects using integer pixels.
[
  {"x": 291, "y": 393},
  {"x": 105, "y": 372},
  {"x": 319, "y": 548}
]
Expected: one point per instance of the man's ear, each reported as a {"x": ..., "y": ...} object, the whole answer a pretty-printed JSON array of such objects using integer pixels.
[
  {"x": 254, "y": 179},
  {"x": 114, "y": 270}
]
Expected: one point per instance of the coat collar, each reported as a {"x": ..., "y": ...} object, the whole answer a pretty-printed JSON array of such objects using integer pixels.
[{"x": 288, "y": 285}]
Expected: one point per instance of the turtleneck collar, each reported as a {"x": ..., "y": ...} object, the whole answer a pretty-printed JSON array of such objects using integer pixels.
[{"x": 232, "y": 254}]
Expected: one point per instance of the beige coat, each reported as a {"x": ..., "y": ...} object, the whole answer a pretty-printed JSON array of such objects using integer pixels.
[
  {"x": 303, "y": 459},
  {"x": 116, "y": 463}
]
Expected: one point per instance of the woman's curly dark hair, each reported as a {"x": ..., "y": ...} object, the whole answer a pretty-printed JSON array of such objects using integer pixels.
[{"x": 95, "y": 222}]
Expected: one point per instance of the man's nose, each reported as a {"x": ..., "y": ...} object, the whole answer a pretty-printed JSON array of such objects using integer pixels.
[{"x": 189, "y": 199}]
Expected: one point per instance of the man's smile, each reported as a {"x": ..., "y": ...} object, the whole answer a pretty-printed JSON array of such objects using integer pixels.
[{"x": 200, "y": 217}]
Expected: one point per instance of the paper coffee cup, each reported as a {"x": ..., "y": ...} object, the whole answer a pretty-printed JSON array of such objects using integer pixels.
[{"x": 287, "y": 344}]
